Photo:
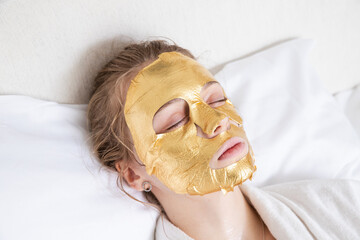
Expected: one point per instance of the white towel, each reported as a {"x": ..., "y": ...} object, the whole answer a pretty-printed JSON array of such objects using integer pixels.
[{"x": 311, "y": 209}]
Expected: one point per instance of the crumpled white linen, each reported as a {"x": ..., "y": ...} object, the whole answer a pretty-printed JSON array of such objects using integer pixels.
[
  {"x": 309, "y": 209},
  {"x": 349, "y": 101}
]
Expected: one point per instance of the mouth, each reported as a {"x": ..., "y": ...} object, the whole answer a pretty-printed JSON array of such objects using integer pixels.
[{"x": 230, "y": 152}]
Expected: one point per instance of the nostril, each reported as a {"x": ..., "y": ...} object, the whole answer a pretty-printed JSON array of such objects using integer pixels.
[{"x": 217, "y": 128}]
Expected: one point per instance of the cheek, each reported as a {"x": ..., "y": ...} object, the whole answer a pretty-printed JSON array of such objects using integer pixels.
[
  {"x": 144, "y": 174},
  {"x": 178, "y": 144},
  {"x": 157, "y": 183}
]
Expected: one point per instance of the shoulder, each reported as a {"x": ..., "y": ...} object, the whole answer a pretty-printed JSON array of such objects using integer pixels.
[
  {"x": 319, "y": 187},
  {"x": 321, "y": 208},
  {"x": 322, "y": 191}
]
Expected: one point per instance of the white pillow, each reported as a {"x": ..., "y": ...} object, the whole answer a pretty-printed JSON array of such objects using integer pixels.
[
  {"x": 50, "y": 187},
  {"x": 349, "y": 100},
  {"x": 295, "y": 126}
]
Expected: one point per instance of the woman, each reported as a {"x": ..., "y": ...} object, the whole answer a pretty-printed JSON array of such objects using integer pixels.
[{"x": 164, "y": 124}]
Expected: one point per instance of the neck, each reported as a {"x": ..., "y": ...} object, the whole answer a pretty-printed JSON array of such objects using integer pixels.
[{"x": 212, "y": 216}]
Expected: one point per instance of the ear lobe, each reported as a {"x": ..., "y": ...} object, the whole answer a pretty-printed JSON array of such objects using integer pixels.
[{"x": 129, "y": 173}]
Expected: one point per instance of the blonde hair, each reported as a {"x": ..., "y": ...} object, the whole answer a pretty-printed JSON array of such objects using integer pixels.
[{"x": 109, "y": 134}]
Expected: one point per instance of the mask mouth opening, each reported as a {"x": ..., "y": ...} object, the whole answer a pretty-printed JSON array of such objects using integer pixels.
[{"x": 233, "y": 150}]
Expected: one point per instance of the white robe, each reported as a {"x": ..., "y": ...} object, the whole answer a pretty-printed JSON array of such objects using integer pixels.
[{"x": 310, "y": 209}]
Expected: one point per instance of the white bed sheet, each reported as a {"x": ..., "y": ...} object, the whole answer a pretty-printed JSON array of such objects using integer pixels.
[
  {"x": 349, "y": 101},
  {"x": 50, "y": 187}
]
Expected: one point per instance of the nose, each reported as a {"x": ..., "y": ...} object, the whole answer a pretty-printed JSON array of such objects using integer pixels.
[
  {"x": 223, "y": 126},
  {"x": 209, "y": 121}
]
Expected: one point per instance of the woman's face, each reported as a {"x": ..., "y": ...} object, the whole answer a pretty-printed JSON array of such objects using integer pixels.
[
  {"x": 175, "y": 113},
  {"x": 185, "y": 130}
]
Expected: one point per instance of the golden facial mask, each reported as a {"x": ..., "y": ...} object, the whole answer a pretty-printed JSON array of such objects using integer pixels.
[{"x": 180, "y": 159}]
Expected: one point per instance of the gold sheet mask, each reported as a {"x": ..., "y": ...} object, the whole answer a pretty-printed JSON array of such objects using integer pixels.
[{"x": 180, "y": 159}]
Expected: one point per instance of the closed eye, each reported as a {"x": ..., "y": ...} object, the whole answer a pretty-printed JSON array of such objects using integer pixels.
[
  {"x": 213, "y": 94},
  {"x": 171, "y": 115},
  {"x": 218, "y": 101},
  {"x": 184, "y": 120}
]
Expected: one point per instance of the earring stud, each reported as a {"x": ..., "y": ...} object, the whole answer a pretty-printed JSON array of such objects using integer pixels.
[{"x": 148, "y": 188}]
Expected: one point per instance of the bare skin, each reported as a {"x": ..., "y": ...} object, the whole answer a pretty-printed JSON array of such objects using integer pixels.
[{"x": 211, "y": 216}]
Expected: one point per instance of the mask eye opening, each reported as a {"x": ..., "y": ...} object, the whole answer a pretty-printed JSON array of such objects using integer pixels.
[
  {"x": 171, "y": 115},
  {"x": 213, "y": 94}
]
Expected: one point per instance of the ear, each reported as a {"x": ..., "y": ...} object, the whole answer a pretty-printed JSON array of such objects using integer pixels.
[{"x": 131, "y": 175}]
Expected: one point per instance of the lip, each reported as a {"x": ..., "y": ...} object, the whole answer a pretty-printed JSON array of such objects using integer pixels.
[{"x": 240, "y": 151}]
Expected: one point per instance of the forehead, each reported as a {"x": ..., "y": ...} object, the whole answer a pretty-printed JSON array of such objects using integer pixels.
[{"x": 171, "y": 76}]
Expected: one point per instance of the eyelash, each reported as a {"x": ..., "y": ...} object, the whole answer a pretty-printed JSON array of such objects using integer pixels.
[
  {"x": 221, "y": 100},
  {"x": 178, "y": 123}
]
